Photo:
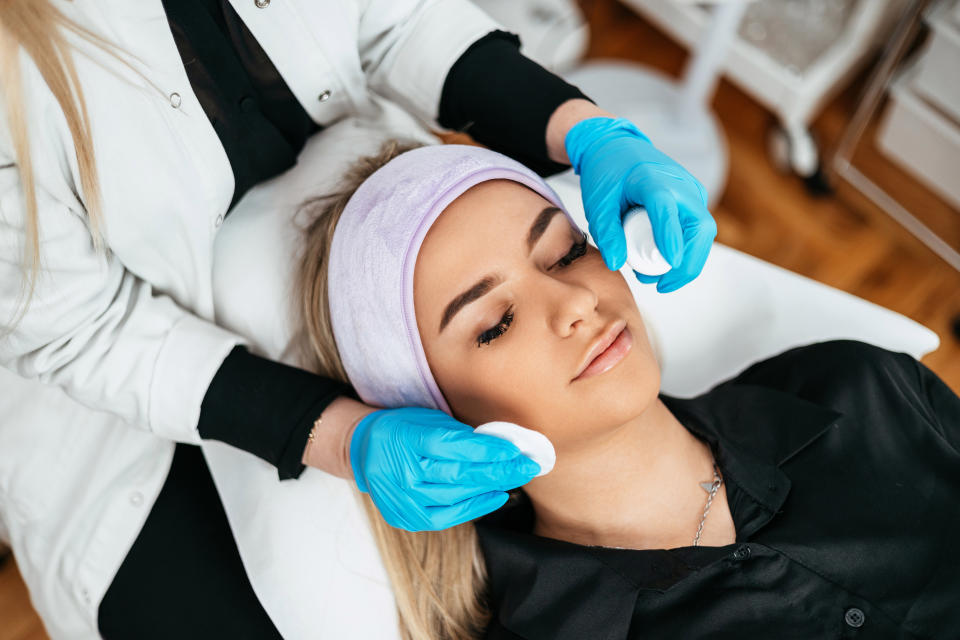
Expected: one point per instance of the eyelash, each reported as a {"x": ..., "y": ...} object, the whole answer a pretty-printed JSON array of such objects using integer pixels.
[{"x": 578, "y": 250}]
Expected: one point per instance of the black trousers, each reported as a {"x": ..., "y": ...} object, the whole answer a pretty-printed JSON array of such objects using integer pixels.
[{"x": 183, "y": 577}]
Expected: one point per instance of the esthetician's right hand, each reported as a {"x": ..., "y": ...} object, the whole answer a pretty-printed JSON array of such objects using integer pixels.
[{"x": 426, "y": 471}]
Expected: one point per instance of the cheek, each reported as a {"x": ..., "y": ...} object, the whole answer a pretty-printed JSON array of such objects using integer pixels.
[
  {"x": 506, "y": 385},
  {"x": 516, "y": 381}
]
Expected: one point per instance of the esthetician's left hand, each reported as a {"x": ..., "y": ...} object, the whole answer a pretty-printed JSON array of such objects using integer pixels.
[
  {"x": 426, "y": 471},
  {"x": 618, "y": 167}
]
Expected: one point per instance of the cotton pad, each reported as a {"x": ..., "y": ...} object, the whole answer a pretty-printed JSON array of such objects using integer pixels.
[
  {"x": 532, "y": 444},
  {"x": 642, "y": 253}
]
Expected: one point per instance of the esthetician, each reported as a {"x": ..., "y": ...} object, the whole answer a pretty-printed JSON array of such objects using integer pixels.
[{"x": 128, "y": 131}]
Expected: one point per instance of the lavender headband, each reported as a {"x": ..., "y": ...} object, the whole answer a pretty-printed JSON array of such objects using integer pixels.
[{"x": 371, "y": 262}]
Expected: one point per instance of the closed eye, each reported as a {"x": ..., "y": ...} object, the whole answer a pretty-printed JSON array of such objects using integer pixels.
[
  {"x": 496, "y": 331},
  {"x": 578, "y": 250}
]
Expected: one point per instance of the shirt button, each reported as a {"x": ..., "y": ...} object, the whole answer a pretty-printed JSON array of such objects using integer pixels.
[
  {"x": 854, "y": 617},
  {"x": 219, "y": 220},
  {"x": 136, "y": 498},
  {"x": 175, "y": 100},
  {"x": 323, "y": 97},
  {"x": 742, "y": 553},
  {"x": 262, "y": 4}
]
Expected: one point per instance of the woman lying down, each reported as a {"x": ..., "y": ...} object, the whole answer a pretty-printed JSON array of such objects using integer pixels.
[{"x": 815, "y": 495}]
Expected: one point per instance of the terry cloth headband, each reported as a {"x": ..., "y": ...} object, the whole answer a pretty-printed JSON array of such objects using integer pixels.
[{"x": 372, "y": 257}]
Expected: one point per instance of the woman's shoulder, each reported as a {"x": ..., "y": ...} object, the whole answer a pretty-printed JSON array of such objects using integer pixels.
[
  {"x": 829, "y": 364},
  {"x": 848, "y": 376}
]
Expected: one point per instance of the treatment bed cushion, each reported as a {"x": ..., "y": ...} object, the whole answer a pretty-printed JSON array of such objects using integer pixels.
[{"x": 304, "y": 542}]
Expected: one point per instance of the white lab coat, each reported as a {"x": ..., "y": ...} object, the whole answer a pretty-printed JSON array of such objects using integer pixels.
[{"x": 132, "y": 336}]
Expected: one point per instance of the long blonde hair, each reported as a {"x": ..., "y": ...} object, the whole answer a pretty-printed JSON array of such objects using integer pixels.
[
  {"x": 439, "y": 577},
  {"x": 41, "y": 31}
]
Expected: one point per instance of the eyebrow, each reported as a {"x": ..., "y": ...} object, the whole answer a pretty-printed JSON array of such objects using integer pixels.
[
  {"x": 539, "y": 226},
  {"x": 487, "y": 283}
]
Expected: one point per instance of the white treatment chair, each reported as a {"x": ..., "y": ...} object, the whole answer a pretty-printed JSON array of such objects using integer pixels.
[{"x": 305, "y": 543}]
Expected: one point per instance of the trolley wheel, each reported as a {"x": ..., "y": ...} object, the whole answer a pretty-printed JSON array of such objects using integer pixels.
[
  {"x": 778, "y": 148},
  {"x": 817, "y": 184}
]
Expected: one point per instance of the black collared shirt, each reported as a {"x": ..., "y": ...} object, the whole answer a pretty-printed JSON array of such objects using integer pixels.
[{"x": 842, "y": 464}]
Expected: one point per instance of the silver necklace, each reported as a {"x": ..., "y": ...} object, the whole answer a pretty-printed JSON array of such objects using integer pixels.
[{"x": 711, "y": 488}]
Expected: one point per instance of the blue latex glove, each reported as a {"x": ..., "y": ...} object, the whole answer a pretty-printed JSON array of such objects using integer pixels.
[
  {"x": 426, "y": 471},
  {"x": 619, "y": 167}
]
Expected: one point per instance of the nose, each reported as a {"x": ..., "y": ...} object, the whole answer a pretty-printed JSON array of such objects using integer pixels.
[{"x": 571, "y": 303}]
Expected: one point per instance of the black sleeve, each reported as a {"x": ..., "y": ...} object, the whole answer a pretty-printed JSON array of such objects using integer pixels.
[
  {"x": 266, "y": 408},
  {"x": 504, "y": 100}
]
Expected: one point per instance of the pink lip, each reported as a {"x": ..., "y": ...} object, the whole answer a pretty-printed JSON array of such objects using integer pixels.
[{"x": 606, "y": 351}]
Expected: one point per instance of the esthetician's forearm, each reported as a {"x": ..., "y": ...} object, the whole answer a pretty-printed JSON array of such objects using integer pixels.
[
  {"x": 566, "y": 115},
  {"x": 266, "y": 408},
  {"x": 330, "y": 449},
  {"x": 503, "y": 100}
]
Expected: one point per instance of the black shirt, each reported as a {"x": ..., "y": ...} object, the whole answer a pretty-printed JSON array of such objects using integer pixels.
[
  {"x": 500, "y": 97},
  {"x": 261, "y": 126},
  {"x": 842, "y": 464}
]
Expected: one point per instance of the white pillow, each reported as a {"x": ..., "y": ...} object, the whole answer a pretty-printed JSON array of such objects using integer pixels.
[{"x": 305, "y": 543}]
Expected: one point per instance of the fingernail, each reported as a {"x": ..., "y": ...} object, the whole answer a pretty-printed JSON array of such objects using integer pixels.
[
  {"x": 608, "y": 260},
  {"x": 530, "y": 468},
  {"x": 676, "y": 259},
  {"x": 496, "y": 501},
  {"x": 509, "y": 451}
]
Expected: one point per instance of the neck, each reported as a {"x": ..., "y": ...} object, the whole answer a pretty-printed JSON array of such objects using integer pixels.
[{"x": 637, "y": 488}]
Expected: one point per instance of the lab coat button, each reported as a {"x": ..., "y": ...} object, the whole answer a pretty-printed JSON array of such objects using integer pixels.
[
  {"x": 136, "y": 498},
  {"x": 248, "y": 104},
  {"x": 323, "y": 97},
  {"x": 854, "y": 617},
  {"x": 86, "y": 595},
  {"x": 262, "y": 4},
  {"x": 219, "y": 220},
  {"x": 175, "y": 100}
]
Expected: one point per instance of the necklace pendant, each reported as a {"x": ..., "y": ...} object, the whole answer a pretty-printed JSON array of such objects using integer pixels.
[{"x": 707, "y": 486}]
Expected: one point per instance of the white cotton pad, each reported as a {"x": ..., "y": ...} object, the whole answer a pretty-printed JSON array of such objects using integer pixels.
[
  {"x": 642, "y": 253},
  {"x": 532, "y": 444}
]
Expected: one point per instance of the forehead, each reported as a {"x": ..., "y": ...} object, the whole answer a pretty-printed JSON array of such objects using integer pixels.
[
  {"x": 482, "y": 232},
  {"x": 501, "y": 208}
]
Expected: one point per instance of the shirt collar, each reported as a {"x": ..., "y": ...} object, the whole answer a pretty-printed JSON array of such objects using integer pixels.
[
  {"x": 752, "y": 432},
  {"x": 545, "y": 588}
]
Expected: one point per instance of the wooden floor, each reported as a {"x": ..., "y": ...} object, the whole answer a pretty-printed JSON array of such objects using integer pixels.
[
  {"x": 17, "y": 619},
  {"x": 841, "y": 240}
]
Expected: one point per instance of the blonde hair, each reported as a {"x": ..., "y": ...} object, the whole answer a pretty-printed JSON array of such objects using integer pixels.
[
  {"x": 41, "y": 31},
  {"x": 439, "y": 578}
]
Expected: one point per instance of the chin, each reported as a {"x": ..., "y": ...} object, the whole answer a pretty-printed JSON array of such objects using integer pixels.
[{"x": 628, "y": 389}]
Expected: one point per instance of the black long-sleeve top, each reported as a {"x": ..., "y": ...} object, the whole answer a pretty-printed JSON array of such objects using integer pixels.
[
  {"x": 842, "y": 466},
  {"x": 493, "y": 92}
]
